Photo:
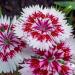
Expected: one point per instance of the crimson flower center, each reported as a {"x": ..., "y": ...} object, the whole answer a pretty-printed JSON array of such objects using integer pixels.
[
  {"x": 51, "y": 59},
  {"x": 43, "y": 25},
  {"x": 7, "y": 41}
]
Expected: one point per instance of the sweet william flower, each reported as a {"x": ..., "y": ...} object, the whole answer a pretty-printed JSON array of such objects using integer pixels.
[
  {"x": 55, "y": 61},
  {"x": 42, "y": 28},
  {"x": 10, "y": 46}
]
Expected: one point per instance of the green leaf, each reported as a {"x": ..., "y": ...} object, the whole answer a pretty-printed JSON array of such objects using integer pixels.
[
  {"x": 66, "y": 4},
  {"x": 68, "y": 9}
]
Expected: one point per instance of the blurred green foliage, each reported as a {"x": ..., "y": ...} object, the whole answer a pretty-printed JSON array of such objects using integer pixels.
[{"x": 66, "y": 3}]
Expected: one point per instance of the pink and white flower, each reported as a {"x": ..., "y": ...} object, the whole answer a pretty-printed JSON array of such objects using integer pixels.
[
  {"x": 10, "y": 46},
  {"x": 55, "y": 61},
  {"x": 42, "y": 28}
]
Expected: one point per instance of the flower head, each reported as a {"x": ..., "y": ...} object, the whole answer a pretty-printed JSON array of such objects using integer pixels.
[
  {"x": 42, "y": 28},
  {"x": 55, "y": 61},
  {"x": 10, "y": 46}
]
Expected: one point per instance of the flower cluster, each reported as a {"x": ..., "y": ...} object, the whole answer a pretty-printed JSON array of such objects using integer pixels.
[
  {"x": 10, "y": 46},
  {"x": 45, "y": 30},
  {"x": 42, "y": 30}
]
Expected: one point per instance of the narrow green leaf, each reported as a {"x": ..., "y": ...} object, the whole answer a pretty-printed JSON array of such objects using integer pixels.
[
  {"x": 66, "y": 4},
  {"x": 68, "y": 9}
]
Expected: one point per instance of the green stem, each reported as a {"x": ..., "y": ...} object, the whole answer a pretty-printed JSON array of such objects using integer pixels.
[{"x": 0, "y": 11}]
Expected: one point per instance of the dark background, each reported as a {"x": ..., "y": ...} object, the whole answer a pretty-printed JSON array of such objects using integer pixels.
[{"x": 14, "y": 7}]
